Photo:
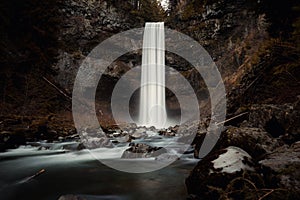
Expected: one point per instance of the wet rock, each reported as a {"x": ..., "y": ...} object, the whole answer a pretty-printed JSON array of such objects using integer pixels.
[
  {"x": 42, "y": 148},
  {"x": 221, "y": 172},
  {"x": 76, "y": 146},
  {"x": 95, "y": 140},
  {"x": 70, "y": 146},
  {"x": 283, "y": 165},
  {"x": 139, "y": 133},
  {"x": 152, "y": 134},
  {"x": 167, "y": 132},
  {"x": 123, "y": 139},
  {"x": 162, "y": 131},
  {"x": 174, "y": 129},
  {"x": 152, "y": 128},
  {"x": 141, "y": 150},
  {"x": 93, "y": 143}
]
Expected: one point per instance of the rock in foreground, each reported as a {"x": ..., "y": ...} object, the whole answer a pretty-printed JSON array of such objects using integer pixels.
[{"x": 216, "y": 174}]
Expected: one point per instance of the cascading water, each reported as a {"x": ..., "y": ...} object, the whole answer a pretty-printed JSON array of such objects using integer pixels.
[{"x": 152, "y": 96}]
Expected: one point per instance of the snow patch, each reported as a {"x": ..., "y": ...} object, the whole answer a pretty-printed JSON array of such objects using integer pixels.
[{"x": 233, "y": 160}]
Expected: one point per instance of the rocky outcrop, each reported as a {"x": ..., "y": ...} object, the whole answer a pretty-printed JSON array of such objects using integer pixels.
[
  {"x": 85, "y": 25},
  {"x": 275, "y": 157}
]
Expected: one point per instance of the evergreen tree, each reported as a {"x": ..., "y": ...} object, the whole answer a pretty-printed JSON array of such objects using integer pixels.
[{"x": 149, "y": 10}]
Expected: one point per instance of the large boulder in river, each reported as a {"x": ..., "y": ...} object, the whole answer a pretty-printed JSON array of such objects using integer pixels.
[
  {"x": 225, "y": 170},
  {"x": 141, "y": 150}
]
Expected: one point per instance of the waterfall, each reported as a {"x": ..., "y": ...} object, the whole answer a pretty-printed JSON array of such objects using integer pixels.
[{"x": 152, "y": 93}]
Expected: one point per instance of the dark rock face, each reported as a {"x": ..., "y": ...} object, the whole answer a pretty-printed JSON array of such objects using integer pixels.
[
  {"x": 277, "y": 120},
  {"x": 283, "y": 164},
  {"x": 86, "y": 24},
  {"x": 237, "y": 36},
  {"x": 140, "y": 150}
]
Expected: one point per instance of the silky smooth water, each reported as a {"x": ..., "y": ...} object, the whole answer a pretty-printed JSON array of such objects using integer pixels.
[
  {"x": 79, "y": 173},
  {"x": 152, "y": 96}
]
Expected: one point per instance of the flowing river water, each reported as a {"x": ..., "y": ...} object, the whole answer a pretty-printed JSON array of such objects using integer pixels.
[{"x": 77, "y": 172}]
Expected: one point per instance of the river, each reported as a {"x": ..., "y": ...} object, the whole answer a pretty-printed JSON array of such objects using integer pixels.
[{"x": 79, "y": 173}]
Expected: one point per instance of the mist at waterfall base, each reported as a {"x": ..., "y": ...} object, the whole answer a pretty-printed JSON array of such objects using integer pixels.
[{"x": 152, "y": 108}]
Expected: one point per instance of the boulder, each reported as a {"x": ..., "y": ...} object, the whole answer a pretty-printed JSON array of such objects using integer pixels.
[
  {"x": 222, "y": 171},
  {"x": 141, "y": 150}
]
